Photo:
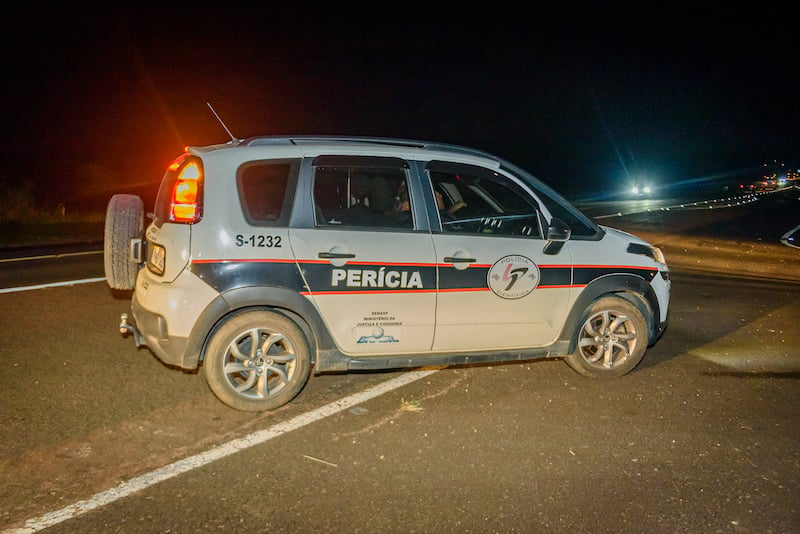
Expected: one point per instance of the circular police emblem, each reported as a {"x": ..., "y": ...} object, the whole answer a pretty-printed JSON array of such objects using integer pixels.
[{"x": 513, "y": 277}]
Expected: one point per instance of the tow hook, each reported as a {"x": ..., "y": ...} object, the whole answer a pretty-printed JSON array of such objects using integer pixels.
[{"x": 126, "y": 327}]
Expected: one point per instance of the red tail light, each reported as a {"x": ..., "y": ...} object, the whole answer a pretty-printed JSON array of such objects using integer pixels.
[{"x": 187, "y": 194}]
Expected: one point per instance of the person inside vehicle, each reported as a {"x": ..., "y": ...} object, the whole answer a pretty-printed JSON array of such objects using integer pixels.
[
  {"x": 399, "y": 214},
  {"x": 401, "y": 204},
  {"x": 447, "y": 213}
]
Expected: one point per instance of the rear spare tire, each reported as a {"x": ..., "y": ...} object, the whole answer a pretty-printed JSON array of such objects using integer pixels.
[{"x": 124, "y": 221}]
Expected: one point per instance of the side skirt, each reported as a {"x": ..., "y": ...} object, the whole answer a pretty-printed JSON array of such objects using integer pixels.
[{"x": 334, "y": 361}]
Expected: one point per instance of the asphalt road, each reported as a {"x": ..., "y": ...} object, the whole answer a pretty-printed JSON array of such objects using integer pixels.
[{"x": 702, "y": 437}]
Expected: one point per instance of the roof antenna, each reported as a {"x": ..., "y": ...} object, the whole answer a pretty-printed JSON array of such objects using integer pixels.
[{"x": 233, "y": 139}]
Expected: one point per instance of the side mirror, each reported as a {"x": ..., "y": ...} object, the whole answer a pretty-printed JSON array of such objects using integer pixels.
[{"x": 558, "y": 233}]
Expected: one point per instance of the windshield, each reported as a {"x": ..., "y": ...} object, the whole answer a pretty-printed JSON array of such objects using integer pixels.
[{"x": 559, "y": 207}]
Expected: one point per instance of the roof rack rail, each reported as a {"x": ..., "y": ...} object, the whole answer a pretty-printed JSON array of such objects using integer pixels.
[{"x": 388, "y": 141}]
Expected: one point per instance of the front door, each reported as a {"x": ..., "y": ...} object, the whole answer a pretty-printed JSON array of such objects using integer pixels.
[{"x": 497, "y": 288}]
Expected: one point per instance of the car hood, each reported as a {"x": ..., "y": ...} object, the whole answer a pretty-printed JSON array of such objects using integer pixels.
[{"x": 619, "y": 234}]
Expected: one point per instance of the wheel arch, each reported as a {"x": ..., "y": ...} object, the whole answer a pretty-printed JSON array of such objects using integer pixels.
[
  {"x": 634, "y": 289},
  {"x": 281, "y": 300}
]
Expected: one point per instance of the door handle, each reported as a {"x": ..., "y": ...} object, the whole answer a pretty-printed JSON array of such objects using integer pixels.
[
  {"x": 454, "y": 259},
  {"x": 334, "y": 255}
]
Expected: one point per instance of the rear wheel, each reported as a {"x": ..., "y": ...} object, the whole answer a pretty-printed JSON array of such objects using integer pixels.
[
  {"x": 124, "y": 221},
  {"x": 257, "y": 360},
  {"x": 612, "y": 339}
]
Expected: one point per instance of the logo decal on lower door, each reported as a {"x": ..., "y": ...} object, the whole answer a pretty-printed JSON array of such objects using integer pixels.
[{"x": 513, "y": 277}]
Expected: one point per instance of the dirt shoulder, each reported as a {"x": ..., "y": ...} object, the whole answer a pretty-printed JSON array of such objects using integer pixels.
[
  {"x": 731, "y": 242},
  {"x": 752, "y": 259}
]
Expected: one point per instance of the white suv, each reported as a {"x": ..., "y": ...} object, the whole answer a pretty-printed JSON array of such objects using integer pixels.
[{"x": 272, "y": 256}]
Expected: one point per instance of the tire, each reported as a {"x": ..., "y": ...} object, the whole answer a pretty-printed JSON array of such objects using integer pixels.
[
  {"x": 612, "y": 339},
  {"x": 124, "y": 221},
  {"x": 244, "y": 378}
]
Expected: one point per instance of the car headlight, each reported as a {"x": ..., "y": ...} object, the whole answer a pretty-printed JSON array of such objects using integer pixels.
[{"x": 654, "y": 253}]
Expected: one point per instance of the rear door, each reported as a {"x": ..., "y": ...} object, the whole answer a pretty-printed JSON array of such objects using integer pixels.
[{"x": 368, "y": 269}]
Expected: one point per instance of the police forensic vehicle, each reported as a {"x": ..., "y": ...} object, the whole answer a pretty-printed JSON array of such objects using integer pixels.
[{"x": 271, "y": 257}]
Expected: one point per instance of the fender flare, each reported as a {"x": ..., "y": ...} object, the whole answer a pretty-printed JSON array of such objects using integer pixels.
[
  {"x": 280, "y": 299},
  {"x": 634, "y": 289}
]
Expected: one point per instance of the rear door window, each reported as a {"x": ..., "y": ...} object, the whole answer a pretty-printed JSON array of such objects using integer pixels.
[{"x": 369, "y": 192}]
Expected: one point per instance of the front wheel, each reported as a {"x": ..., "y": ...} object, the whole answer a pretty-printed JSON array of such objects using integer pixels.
[
  {"x": 257, "y": 361},
  {"x": 612, "y": 339}
]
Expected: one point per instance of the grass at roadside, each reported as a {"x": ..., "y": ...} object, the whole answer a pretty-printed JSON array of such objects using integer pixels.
[
  {"x": 18, "y": 234},
  {"x": 25, "y": 221}
]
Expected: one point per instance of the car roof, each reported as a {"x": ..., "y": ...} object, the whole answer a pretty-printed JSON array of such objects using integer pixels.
[{"x": 299, "y": 144}]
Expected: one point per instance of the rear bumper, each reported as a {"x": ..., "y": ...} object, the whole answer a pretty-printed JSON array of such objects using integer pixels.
[{"x": 150, "y": 330}]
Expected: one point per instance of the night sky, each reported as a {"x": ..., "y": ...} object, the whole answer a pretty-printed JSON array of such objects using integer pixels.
[{"x": 98, "y": 102}]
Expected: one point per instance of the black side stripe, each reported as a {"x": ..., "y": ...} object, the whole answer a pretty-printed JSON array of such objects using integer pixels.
[{"x": 225, "y": 275}]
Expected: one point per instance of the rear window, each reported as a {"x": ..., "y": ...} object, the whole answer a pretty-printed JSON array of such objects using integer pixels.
[{"x": 263, "y": 187}]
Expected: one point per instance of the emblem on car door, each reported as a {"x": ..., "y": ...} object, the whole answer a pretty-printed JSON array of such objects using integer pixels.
[{"x": 513, "y": 277}]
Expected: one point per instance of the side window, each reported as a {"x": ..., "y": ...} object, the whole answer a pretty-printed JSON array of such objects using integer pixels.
[
  {"x": 364, "y": 192},
  {"x": 262, "y": 190},
  {"x": 474, "y": 200}
]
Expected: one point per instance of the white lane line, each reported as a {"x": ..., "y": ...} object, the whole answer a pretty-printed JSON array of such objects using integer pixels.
[
  {"x": 52, "y": 284},
  {"x": 51, "y": 256},
  {"x": 227, "y": 449}
]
